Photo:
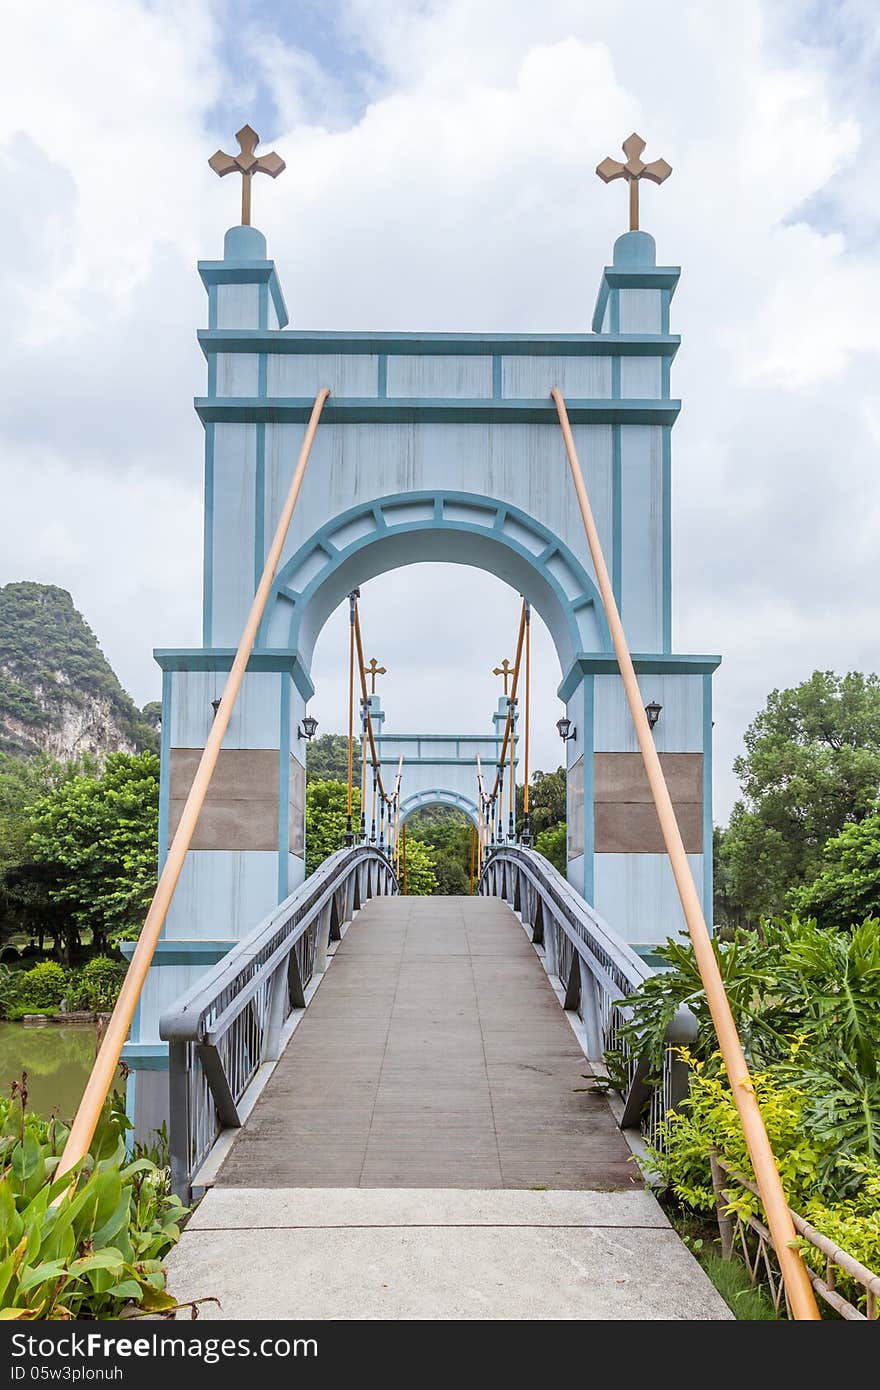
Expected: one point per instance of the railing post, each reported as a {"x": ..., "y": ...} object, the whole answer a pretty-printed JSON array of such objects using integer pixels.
[
  {"x": 551, "y": 959},
  {"x": 179, "y": 1117},
  {"x": 681, "y": 1030},
  {"x": 279, "y": 994},
  {"x": 322, "y": 939},
  {"x": 590, "y": 1013},
  {"x": 725, "y": 1221}
]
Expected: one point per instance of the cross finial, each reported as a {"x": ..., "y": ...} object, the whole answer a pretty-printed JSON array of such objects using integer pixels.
[
  {"x": 505, "y": 670},
  {"x": 373, "y": 670},
  {"x": 632, "y": 170},
  {"x": 247, "y": 164}
]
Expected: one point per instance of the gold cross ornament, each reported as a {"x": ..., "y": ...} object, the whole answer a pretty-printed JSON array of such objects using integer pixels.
[
  {"x": 247, "y": 164},
  {"x": 505, "y": 670},
  {"x": 632, "y": 170},
  {"x": 373, "y": 671}
]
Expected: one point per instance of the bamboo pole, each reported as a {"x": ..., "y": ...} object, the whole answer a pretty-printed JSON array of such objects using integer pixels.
[
  {"x": 797, "y": 1283},
  {"x": 107, "y": 1060}
]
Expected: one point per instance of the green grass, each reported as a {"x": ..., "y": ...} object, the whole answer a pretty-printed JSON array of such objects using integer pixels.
[{"x": 731, "y": 1279}]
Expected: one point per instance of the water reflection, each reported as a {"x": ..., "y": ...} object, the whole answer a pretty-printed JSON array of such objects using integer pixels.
[{"x": 57, "y": 1059}]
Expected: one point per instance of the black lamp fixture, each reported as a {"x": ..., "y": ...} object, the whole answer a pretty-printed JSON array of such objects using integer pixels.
[
  {"x": 215, "y": 705},
  {"x": 653, "y": 712},
  {"x": 566, "y": 729},
  {"x": 309, "y": 727}
]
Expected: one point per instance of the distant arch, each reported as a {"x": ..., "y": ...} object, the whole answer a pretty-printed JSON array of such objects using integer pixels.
[{"x": 438, "y": 796}]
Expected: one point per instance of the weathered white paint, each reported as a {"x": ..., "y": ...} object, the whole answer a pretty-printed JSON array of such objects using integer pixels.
[
  {"x": 641, "y": 378},
  {"x": 238, "y": 306},
  {"x": 679, "y": 728},
  {"x": 447, "y": 377},
  {"x": 642, "y": 556},
  {"x": 637, "y": 896},
  {"x": 255, "y": 719},
  {"x": 533, "y": 378},
  {"x": 303, "y": 374},
  {"x": 237, "y": 374},
  {"x": 640, "y": 311},
  {"x": 234, "y": 506}
]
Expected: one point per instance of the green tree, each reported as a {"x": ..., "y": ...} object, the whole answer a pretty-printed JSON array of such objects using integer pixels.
[
  {"x": 546, "y": 800},
  {"x": 327, "y": 759},
  {"x": 24, "y": 900},
  {"x": 447, "y": 832},
  {"x": 452, "y": 880},
  {"x": 552, "y": 844},
  {"x": 811, "y": 766},
  {"x": 847, "y": 887},
  {"x": 421, "y": 881},
  {"x": 326, "y": 814},
  {"x": 99, "y": 836}
]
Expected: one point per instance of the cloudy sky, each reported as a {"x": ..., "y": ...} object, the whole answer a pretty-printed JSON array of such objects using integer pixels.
[{"x": 440, "y": 158}]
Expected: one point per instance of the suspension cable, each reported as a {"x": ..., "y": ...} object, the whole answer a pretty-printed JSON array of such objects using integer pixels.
[
  {"x": 526, "y": 829},
  {"x": 797, "y": 1283},
  {"x": 511, "y": 705},
  {"x": 352, "y": 607}
]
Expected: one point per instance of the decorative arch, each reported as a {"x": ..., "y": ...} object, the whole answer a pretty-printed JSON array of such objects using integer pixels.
[
  {"x": 459, "y": 528},
  {"x": 438, "y": 796}
]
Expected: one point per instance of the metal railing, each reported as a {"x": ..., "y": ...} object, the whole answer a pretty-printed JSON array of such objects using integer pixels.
[
  {"x": 232, "y": 1022},
  {"x": 737, "y": 1227},
  {"x": 597, "y": 970}
]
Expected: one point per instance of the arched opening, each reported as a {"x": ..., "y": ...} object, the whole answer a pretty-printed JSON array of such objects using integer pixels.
[{"x": 394, "y": 532}]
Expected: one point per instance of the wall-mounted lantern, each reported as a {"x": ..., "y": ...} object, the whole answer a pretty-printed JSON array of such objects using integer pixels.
[
  {"x": 566, "y": 729},
  {"x": 308, "y": 728},
  {"x": 653, "y": 712}
]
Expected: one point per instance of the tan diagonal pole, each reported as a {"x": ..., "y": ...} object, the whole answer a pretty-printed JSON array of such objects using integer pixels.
[
  {"x": 797, "y": 1282},
  {"x": 107, "y": 1060}
]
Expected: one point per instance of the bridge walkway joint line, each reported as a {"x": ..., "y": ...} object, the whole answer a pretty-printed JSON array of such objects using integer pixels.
[{"x": 429, "y": 1147}]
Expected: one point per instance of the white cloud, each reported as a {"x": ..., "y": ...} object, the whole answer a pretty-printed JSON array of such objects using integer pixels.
[{"x": 462, "y": 197}]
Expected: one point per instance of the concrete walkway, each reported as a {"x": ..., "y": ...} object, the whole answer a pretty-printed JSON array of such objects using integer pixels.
[
  {"x": 428, "y": 1147},
  {"x": 353, "y": 1253}
]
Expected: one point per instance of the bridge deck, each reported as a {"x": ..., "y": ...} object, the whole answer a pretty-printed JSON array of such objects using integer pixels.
[{"x": 434, "y": 1055}]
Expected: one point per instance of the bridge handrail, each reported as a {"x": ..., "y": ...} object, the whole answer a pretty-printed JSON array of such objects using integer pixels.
[
  {"x": 222, "y": 1030},
  {"x": 186, "y": 1019},
  {"x": 597, "y": 970}
]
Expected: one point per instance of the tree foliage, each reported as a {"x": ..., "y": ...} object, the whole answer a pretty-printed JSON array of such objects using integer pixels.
[
  {"x": 326, "y": 818},
  {"x": 99, "y": 837},
  {"x": 327, "y": 760},
  {"x": 811, "y": 767},
  {"x": 421, "y": 880},
  {"x": 847, "y": 886}
]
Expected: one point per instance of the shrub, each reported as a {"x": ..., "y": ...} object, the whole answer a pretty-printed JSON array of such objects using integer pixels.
[
  {"x": 97, "y": 985},
  {"x": 709, "y": 1119},
  {"x": 8, "y": 990},
  {"x": 42, "y": 988},
  {"x": 98, "y": 1249}
]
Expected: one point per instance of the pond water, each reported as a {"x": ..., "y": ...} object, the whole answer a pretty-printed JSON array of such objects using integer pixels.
[{"x": 57, "y": 1059}]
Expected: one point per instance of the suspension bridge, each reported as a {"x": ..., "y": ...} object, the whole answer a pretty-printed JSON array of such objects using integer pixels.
[{"x": 388, "y": 1103}]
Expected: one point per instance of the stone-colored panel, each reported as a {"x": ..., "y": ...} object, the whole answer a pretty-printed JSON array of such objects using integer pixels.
[
  {"x": 241, "y": 774},
  {"x": 622, "y": 777},
  {"x": 297, "y": 799},
  {"x": 241, "y": 809},
  {"x": 632, "y": 827},
  {"x": 575, "y": 821},
  {"x": 244, "y": 824}
]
